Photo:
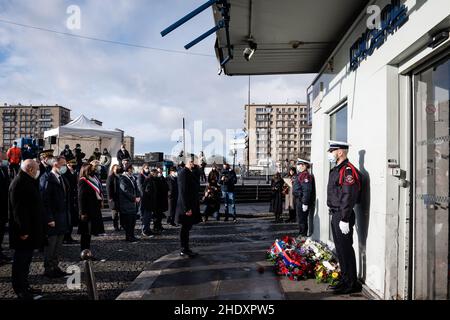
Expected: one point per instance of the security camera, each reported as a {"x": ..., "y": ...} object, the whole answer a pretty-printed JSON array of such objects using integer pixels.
[
  {"x": 250, "y": 50},
  {"x": 248, "y": 53}
]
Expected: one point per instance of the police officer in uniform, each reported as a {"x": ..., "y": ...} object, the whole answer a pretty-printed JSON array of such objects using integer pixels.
[
  {"x": 344, "y": 187},
  {"x": 44, "y": 157},
  {"x": 305, "y": 195}
]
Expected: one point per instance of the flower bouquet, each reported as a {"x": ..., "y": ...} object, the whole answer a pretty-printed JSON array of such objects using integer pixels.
[{"x": 300, "y": 259}]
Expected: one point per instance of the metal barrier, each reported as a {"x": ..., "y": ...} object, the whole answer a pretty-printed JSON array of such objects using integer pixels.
[{"x": 89, "y": 275}]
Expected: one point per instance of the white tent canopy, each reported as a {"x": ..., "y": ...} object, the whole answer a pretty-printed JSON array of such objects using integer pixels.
[{"x": 88, "y": 134}]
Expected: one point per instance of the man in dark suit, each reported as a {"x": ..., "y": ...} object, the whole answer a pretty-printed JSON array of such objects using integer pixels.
[
  {"x": 56, "y": 199},
  {"x": 4, "y": 186},
  {"x": 123, "y": 154},
  {"x": 188, "y": 206},
  {"x": 26, "y": 226}
]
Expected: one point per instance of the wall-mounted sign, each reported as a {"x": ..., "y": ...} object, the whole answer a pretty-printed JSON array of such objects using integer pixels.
[{"x": 393, "y": 16}]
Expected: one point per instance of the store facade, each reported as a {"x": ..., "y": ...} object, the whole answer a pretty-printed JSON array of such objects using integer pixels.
[
  {"x": 386, "y": 92},
  {"x": 382, "y": 86}
]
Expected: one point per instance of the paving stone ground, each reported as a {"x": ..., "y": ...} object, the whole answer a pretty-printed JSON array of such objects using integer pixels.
[{"x": 119, "y": 263}]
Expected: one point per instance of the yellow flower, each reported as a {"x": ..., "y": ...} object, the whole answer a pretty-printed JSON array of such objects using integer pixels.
[{"x": 335, "y": 275}]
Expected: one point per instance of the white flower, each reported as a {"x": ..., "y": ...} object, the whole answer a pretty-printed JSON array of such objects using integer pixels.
[{"x": 328, "y": 266}]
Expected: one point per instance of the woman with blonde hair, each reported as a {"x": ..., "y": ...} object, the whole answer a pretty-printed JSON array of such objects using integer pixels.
[{"x": 90, "y": 199}]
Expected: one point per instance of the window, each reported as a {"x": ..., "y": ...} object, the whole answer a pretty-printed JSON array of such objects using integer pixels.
[{"x": 338, "y": 125}]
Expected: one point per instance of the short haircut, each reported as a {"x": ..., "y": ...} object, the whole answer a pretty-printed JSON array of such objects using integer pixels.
[{"x": 128, "y": 167}]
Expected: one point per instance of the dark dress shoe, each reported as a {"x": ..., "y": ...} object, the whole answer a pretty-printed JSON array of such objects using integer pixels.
[
  {"x": 34, "y": 291},
  {"x": 188, "y": 253},
  {"x": 348, "y": 289},
  {"x": 337, "y": 286},
  {"x": 25, "y": 296}
]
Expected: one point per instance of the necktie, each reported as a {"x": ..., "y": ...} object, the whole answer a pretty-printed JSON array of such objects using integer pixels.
[{"x": 62, "y": 183}]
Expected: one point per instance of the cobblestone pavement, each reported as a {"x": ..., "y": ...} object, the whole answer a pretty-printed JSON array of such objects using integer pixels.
[{"x": 119, "y": 263}]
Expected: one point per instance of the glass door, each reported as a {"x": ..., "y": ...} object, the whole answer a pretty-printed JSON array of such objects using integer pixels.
[{"x": 431, "y": 182}]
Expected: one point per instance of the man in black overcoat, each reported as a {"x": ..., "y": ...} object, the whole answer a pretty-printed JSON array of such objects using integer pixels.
[{"x": 188, "y": 206}]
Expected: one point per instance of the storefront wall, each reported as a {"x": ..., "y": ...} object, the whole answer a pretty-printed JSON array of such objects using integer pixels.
[{"x": 376, "y": 126}]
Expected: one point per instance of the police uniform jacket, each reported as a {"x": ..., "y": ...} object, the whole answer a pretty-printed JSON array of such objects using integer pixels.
[{"x": 343, "y": 189}]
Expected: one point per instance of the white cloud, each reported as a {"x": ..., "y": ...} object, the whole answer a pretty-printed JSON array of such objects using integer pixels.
[{"x": 144, "y": 92}]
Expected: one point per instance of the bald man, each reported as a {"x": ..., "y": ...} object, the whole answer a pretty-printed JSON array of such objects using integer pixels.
[{"x": 26, "y": 226}]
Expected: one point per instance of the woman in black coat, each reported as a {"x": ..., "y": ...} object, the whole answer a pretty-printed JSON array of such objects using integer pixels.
[
  {"x": 90, "y": 206},
  {"x": 113, "y": 186},
  {"x": 276, "y": 204}
]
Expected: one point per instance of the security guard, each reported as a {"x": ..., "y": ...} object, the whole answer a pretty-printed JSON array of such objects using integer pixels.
[
  {"x": 305, "y": 195},
  {"x": 344, "y": 187}
]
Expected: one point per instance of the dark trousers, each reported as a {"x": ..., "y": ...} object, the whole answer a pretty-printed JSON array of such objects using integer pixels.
[
  {"x": 2, "y": 233},
  {"x": 344, "y": 249},
  {"x": 172, "y": 210},
  {"x": 146, "y": 218},
  {"x": 85, "y": 241},
  {"x": 13, "y": 169},
  {"x": 157, "y": 220},
  {"x": 21, "y": 269},
  {"x": 302, "y": 217},
  {"x": 292, "y": 215},
  {"x": 129, "y": 223},
  {"x": 184, "y": 235},
  {"x": 52, "y": 253}
]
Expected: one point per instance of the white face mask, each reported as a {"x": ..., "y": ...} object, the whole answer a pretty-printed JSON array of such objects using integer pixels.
[
  {"x": 38, "y": 173},
  {"x": 332, "y": 158},
  {"x": 299, "y": 169}
]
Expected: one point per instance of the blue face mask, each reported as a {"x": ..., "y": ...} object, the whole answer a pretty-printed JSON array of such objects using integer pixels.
[
  {"x": 63, "y": 170},
  {"x": 4, "y": 163}
]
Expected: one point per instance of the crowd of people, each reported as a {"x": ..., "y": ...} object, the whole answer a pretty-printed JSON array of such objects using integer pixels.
[{"x": 47, "y": 198}]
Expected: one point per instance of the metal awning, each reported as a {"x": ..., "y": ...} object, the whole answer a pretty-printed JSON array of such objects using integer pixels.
[{"x": 292, "y": 36}]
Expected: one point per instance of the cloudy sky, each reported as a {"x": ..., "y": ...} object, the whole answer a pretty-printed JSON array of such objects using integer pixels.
[{"x": 144, "y": 92}]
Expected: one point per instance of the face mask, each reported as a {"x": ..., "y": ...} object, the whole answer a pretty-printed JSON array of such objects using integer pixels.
[
  {"x": 98, "y": 169},
  {"x": 38, "y": 173},
  {"x": 332, "y": 158},
  {"x": 63, "y": 170},
  {"x": 299, "y": 169},
  {"x": 5, "y": 163}
]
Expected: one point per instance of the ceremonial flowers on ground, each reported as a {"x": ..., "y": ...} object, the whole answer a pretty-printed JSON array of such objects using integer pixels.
[{"x": 303, "y": 258}]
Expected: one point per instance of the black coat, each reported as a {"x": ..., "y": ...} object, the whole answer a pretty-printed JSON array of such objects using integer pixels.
[
  {"x": 122, "y": 155},
  {"x": 229, "y": 181},
  {"x": 305, "y": 188},
  {"x": 67, "y": 154},
  {"x": 127, "y": 195},
  {"x": 188, "y": 198},
  {"x": 26, "y": 213},
  {"x": 4, "y": 187},
  {"x": 79, "y": 156},
  {"x": 113, "y": 187},
  {"x": 147, "y": 186},
  {"x": 72, "y": 179},
  {"x": 213, "y": 175},
  {"x": 56, "y": 200},
  {"x": 89, "y": 205},
  {"x": 276, "y": 204},
  {"x": 162, "y": 194},
  {"x": 172, "y": 184}
]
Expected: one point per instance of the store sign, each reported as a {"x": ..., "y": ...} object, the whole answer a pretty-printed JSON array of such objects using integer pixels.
[{"x": 393, "y": 16}]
